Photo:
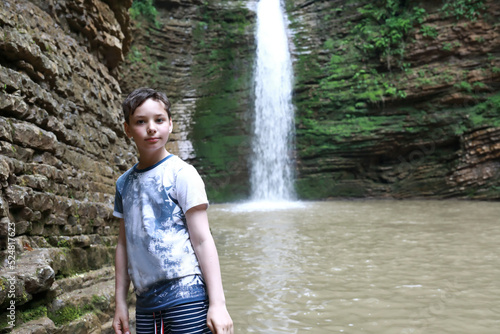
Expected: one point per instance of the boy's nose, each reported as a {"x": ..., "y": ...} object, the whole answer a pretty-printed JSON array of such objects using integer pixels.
[{"x": 151, "y": 130}]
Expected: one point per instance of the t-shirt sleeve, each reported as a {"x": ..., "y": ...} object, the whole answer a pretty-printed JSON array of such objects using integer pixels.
[
  {"x": 190, "y": 188},
  {"x": 118, "y": 210}
]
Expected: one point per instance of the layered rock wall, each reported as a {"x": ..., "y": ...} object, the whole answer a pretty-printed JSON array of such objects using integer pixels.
[
  {"x": 61, "y": 149},
  {"x": 397, "y": 99},
  {"x": 201, "y": 54},
  {"x": 390, "y": 102},
  {"x": 386, "y": 94},
  {"x": 62, "y": 144}
]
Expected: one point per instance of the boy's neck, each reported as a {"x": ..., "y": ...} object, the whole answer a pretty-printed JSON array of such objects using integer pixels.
[{"x": 147, "y": 160}]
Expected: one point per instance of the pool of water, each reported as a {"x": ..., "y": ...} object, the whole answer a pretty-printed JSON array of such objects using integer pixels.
[{"x": 361, "y": 266}]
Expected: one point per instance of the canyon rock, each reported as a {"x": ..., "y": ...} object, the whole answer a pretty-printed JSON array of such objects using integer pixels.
[{"x": 390, "y": 102}]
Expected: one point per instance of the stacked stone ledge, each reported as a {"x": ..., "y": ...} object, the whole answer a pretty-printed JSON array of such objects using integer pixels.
[{"x": 61, "y": 149}]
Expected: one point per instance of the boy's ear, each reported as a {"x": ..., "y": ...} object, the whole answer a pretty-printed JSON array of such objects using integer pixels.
[
  {"x": 127, "y": 129},
  {"x": 170, "y": 128}
]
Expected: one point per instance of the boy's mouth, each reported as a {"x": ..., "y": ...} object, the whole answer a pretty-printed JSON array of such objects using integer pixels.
[{"x": 152, "y": 139}]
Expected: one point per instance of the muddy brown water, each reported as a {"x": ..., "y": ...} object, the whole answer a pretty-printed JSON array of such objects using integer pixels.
[{"x": 373, "y": 266}]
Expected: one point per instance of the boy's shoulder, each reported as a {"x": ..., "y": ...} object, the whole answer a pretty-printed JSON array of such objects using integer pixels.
[
  {"x": 180, "y": 167},
  {"x": 173, "y": 163},
  {"x": 122, "y": 177}
]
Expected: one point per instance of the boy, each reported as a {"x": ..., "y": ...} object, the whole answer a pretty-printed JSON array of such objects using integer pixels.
[{"x": 164, "y": 245}]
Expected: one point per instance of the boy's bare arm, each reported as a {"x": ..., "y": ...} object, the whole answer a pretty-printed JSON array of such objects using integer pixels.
[
  {"x": 218, "y": 319},
  {"x": 122, "y": 283}
]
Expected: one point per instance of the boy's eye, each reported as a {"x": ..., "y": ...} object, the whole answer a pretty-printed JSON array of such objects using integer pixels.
[
  {"x": 160, "y": 120},
  {"x": 140, "y": 121}
]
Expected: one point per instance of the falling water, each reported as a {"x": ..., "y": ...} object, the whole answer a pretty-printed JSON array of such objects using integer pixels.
[{"x": 272, "y": 166}]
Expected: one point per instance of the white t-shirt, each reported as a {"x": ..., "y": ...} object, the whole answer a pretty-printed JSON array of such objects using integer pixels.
[{"x": 152, "y": 202}]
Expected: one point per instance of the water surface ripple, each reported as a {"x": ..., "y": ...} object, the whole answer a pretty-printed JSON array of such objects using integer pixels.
[{"x": 362, "y": 267}]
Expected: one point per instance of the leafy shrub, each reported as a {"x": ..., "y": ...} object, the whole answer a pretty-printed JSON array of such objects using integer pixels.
[
  {"x": 429, "y": 31},
  {"x": 469, "y": 9}
]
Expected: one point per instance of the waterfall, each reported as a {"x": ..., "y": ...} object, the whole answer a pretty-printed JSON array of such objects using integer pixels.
[{"x": 272, "y": 162}]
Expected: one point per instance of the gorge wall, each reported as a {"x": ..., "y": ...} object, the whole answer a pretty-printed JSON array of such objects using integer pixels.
[
  {"x": 61, "y": 149},
  {"x": 397, "y": 99},
  {"x": 201, "y": 54},
  {"x": 62, "y": 145},
  {"x": 392, "y": 101}
]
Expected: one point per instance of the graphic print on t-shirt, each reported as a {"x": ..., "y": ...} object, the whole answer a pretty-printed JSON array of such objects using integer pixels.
[{"x": 158, "y": 244}]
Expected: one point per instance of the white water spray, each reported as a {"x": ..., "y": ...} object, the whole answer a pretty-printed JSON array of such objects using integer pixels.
[{"x": 272, "y": 163}]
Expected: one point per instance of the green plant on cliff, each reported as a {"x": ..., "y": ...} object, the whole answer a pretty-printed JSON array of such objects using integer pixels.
[
  {"x": 68, "y": 313},
  {"x": 71, "y": 312},
  {"x": 385, "y": 27},
  {"x": 349, "y": 86},
  {"x": 464, "y": 86},
  {"x": 381, "y": 34},
  {"x": 33, "y": 313},
  {"x": 63, "y": 243},
  {"x": 469, "y": 9},
  {"x": 144, "y": 9},
  {"x": 134, "y": 55},
  {"x": 486, "y": 113},
  {"x": 223, "y": 71},
  {"x": 429, "y": 31}
]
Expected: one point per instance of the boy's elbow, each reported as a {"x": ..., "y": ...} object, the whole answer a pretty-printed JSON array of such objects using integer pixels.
[{"x": 203, "y": 243}]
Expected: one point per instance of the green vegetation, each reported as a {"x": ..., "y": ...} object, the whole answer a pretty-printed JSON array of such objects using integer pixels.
[
  {"x": 464, "y": 85},
  {"x": 63, "y": 243},
  {"x": 224, "y": 73},
  {"x": 4, "y": 322},
  {"x": 385, "y": 28},
  {"x": 351, "y": 82},
  {"x": 429, "y": 31},
  {"x": 447, "y": 46},
  {"x": 486, "y": 113},
  {"x": 353, "y": 92},
  {"x": 134, "y": 55},
  {"x": 69, "y": 313},
  {"x": 468, "y": 9},
  {"x": 32, "y": 314},
  {"x": 62, "y": 316},
  {"x": 144, "y": 9},
  {"x": 354, "y": 81}
]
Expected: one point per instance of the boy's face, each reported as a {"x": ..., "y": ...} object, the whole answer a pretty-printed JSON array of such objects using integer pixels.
[{"x": 150, "y": 127}]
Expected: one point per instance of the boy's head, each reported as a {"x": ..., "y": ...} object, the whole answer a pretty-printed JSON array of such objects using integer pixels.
[{"x": 138, "y": 96}]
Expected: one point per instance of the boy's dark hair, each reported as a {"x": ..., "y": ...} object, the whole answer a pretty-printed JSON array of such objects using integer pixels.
[{"x": 138, "y": 96}]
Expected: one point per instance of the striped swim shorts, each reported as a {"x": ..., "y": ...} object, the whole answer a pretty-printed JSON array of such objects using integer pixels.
[{"x": 181, "y": 319}]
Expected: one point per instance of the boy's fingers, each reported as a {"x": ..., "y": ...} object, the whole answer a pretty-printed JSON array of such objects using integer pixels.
[
  {"x": 125, "y": 327},
  {"x": 220, "y": 329},
  {"x": 210, "y": 326},
  {"x": 121, "y": 326}
]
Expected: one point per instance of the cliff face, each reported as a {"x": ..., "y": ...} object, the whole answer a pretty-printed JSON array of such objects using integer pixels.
[
  {"x": 61, "y": 150},
  {"x": 62, "y": 145},
  {"x": 393, "y": 99},
  {"x": 201, "y": 54},
  {"x": 397, "y": 100}
]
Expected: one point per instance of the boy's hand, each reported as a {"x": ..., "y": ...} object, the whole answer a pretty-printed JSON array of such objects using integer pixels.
[
  {"x": 120, "y": 322},
  {"x": 219, "y": 321}
]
